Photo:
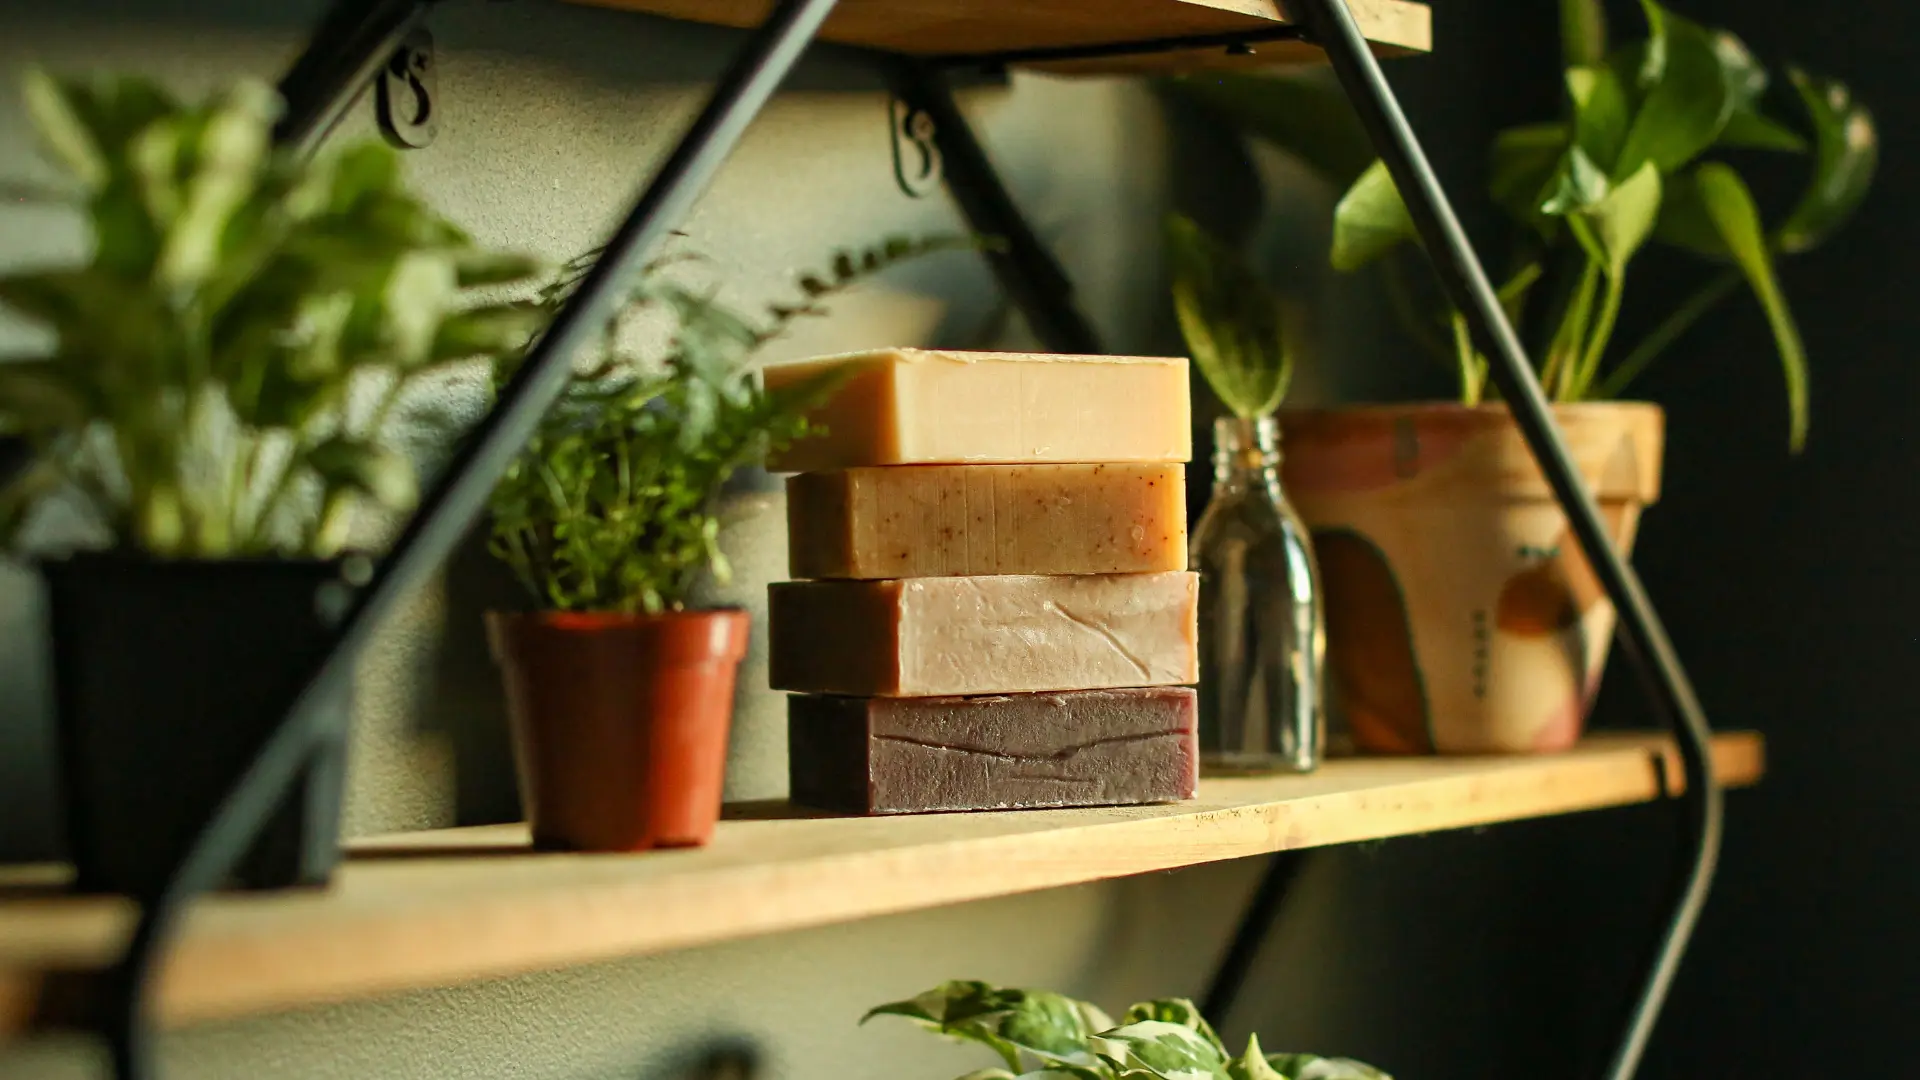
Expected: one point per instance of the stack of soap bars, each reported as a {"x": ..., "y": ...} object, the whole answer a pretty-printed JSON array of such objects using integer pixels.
[{"x": 998, "y": 612}]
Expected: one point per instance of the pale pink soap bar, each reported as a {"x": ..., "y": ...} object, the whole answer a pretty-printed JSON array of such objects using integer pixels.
[
  {"x": 915, "y": 407},
  {"x": 1025, "y": 751},
  {"x": 932, "y": 637}
]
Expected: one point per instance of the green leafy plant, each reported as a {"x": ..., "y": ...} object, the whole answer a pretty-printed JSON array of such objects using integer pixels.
[
  {"x": 1235, "y": 326},
  {"x": 1637, "y": 158},
  {"x": 1041, "y": 1035},
  {"x": 227, "y": 364},
  {"x": 612, "y": 506}
]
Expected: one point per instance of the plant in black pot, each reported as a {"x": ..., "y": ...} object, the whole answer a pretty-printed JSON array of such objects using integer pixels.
[
  {"x": 219, "y": 399},
  {"x": 621, "y": 692}
]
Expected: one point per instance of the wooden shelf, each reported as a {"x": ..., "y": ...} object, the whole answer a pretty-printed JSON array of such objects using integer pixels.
[
  {"x": 434, "y": 909},
  {"x": 997, "y": 27}
]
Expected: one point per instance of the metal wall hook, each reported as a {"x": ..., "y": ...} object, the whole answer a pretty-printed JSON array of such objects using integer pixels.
[
  {"x": 917, "y": 164},
  {"x": 406, "y": 95}
]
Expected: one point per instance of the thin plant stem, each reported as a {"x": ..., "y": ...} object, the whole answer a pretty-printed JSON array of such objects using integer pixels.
[
  {"x": 1563, "y": 353},
  {"x": 1602, "y": 333},
  {"x": 1473, "y": 370},
  {"x": 1669, "y": 331}
]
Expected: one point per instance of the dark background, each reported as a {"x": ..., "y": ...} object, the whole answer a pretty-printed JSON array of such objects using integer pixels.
[{"x": 1788, "y": 584}]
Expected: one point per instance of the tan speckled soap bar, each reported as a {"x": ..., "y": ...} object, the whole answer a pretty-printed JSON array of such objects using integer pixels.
[
  {"x": 937, "y": 636},
  {"x": 920, "y": 407},
  {"x": 945, "y": 520}
]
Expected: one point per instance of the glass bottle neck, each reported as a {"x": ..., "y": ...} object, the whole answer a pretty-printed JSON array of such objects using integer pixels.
[{"x": 1245, "y": 450}]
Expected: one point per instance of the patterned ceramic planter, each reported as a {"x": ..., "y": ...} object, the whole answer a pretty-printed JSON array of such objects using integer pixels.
[{"x": 1461, "y": 616}]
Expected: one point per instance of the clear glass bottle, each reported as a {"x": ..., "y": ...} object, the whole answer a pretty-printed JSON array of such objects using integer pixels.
[{"x": 1262, "y": 635}]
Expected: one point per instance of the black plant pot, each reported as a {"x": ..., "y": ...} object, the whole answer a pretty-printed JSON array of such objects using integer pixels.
[{"x": 169, "y": 676}]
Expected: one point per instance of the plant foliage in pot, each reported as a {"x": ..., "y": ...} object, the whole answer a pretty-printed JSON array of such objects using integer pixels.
[
  {"x": 1042, "y": 1035},
  {"x": 620, "y": 694},
  {"x": 1462, "y": 616},
  {"x": 217, "y": 403}
]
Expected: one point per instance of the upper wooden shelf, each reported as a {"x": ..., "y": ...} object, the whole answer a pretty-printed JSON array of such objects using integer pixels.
[
  {"x": 434, "y": 909},
  {"x": 950, "y": 28}
]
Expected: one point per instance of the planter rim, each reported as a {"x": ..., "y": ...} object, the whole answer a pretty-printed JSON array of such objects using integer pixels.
[
  {"x": 587, "y": 622},
  {"x": 1490, "y": 410}
]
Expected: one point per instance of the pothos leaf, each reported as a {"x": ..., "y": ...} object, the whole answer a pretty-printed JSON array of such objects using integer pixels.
[
  {"x": 1847, "y": 153},
  {"x": 1370, "y": 220},
  {"x": 1156, "y": 1048},
  {"x": 1232, "y": 322},
  {"x": 1175, "y": 1011},
  {"x": 1253, "y": 1065},
  {"x": 1730, "y": 207},
  {"x": 1687, "y": 92}
]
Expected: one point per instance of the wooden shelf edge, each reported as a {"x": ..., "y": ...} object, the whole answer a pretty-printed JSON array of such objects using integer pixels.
[{"x": 437, "y": 909}]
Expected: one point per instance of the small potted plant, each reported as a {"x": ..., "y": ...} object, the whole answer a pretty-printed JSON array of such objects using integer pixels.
[
  {"x": 1042, "y": 1035},
  {"x": 620, "y": 695},
  {"x": 217, "y": 403},
  {"x": 1461, "y": 615}
]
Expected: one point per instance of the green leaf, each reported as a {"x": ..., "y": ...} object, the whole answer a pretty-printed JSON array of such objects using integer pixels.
[
  {"x": 477, "y": 268},
  {"x": 1583, "y": 32},
  {"x": 1688, "y": 86},
  {"x": 487, "y": 331},
  {"x": 1156, "y": 1048},
  {"x": 1232, "y": 323},
  {"x": 57, "y": 119},
  {"x": 1748, "y": 129},
  {"x": 1600, "y": 112},
  {"x": 1253, "y": 1065},
  {"x": 1729, "y": 205},
  {"x": 1307, "y": 118},
  {"x": 1526, "y": 161},
  {"x": 1370, "y": 220},
  {"x": 1684, "y": 221},
  {"x": 1622, "y": 221},
  {"x": 1180, "y": 1011},
  {"x": 1580, "y": 185},
  {"x": 345, "y": 464},
  {"x": 1847, "y": 154}
]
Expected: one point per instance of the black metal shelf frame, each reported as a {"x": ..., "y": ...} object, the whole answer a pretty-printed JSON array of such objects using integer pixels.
[{"x": 357, "y": 37}]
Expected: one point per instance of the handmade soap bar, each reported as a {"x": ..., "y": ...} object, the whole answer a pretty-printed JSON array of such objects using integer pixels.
[
  {"x": 908, "y": 407},
  {"x": 907, "y": 755},
  {"x": 941, "y": 520},
  {"x": 927, "y": 637}
]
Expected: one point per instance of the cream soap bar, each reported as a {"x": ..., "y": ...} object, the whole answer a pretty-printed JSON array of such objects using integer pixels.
[
  {"x": 931, "y": 637},
  {"x": 913, "y": 755},
  {"x": 944, "y": 520},
  {"x": 914, "y": 407}
]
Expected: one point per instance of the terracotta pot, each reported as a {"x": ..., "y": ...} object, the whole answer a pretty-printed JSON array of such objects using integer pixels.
[
  {"x": 1461, "y": 615},
  {"x": 620, "y": 723}
]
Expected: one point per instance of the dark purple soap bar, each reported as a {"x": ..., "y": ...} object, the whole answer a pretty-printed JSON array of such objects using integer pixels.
[{"x": 1019, "y": 751}]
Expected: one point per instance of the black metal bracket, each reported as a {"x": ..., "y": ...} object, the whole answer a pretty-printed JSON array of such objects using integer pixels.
[
  {"x": 406, "y": 93},
  {"x": 1020, "y": 259},
  {"x": 353, "y": 41},
  {"x": 1330, "y": 24},
  {"x": 917, "y": 164}
]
